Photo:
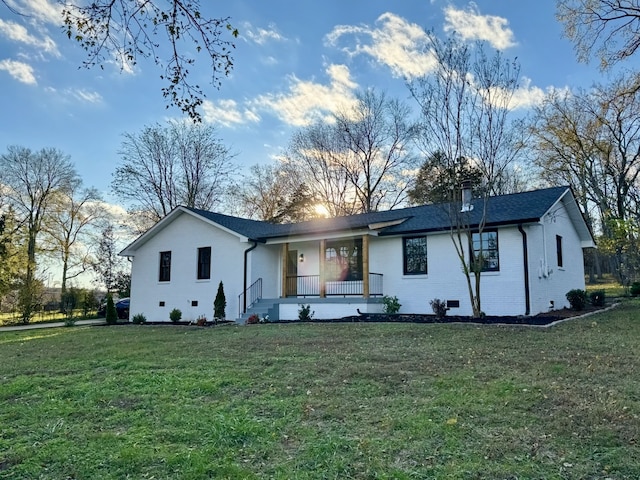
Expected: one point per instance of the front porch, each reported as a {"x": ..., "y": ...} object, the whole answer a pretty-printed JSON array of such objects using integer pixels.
[
  {"x": 312, "y": 286},
  {"x": 319, "y": 270},
  {"x": 287, "y": 309},
  {"x": 311, "y": 289}
]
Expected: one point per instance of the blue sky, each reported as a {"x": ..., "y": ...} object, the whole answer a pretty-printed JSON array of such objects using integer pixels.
[{"x": 294, "y": 62}]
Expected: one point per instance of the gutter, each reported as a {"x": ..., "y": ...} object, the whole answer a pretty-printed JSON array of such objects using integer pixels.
[
  {"x": 244, "y": 289},
  {"x": 525, "y": 255}
]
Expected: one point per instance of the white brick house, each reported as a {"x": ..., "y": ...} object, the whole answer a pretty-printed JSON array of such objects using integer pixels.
[{"x": 532, "y": 243}]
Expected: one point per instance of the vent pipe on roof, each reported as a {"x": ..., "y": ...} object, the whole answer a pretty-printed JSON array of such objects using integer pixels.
[{"x": 466, "y": 196}]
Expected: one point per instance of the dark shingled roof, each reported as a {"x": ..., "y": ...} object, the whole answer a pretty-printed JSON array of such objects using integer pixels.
[{"x": 501, "y": 210}]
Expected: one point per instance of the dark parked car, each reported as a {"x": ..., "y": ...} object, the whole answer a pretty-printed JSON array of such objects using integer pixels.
[{"x": 122, "y": 308}]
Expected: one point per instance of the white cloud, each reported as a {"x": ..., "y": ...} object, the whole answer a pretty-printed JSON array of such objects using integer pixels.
[
  {"x": 227, "y": 113},
  {"x": 394, "y": 42},
  {"x": 21, "y": 71},
  {"x": 262, "y": 35},
  {"x": 85, "y": 96},
  {"x": 471, "y": 25},
  {"x": 525, "y": 96},
  {"x": 43, "y": 10},
  {"x": 19, "y": 33},
  {"x": 307, "y": 101},
  {"x": 75, "y": 95}
]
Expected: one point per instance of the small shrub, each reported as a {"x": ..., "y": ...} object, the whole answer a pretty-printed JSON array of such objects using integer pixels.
[
  {"x": 70, "y": 321},
  {"x": 634, "y": 290},
  {"x": 175, "y": 315},
  {"x": 139, "y": 318},
  {"x": 305, "y": 313},
  {"x": 597, "y": 298},
  {"x": 390, "y": 305},
  {"x": 577, "y": 298},
  {"x": 220, "y": 304},
  {"x": 112, "y": 313},
  {"x": 253, "y": 319},
  {"x": 439, "y": 308}
]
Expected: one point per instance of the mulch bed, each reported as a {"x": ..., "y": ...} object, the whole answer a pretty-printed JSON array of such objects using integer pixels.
[{"x": 540, "y": 319}]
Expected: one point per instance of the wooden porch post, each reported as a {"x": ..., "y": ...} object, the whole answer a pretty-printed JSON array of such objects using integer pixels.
[
  {"x": 285, "y": 259},
  {"x": 365, "y": 266},
  {"x": 323, "y": 258}
]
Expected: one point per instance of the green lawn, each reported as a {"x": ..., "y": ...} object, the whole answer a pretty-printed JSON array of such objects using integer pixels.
[{"x": 314, "y": 401}]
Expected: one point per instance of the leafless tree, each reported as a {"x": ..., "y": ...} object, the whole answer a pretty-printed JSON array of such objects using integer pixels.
[
  {"x": 358, "y": 163},
  {"x": 465, "y": 106},
  {"x": 163, "y": 167},
  {"x": 68, "y": 225},
  {"x": 32, "y": 180},
  {"x": 169, "y": 32},
  {"x": 377, "y": 140},
  {"x": 313, "y": 159},
  {"x": 591, "y": 140},
  {"x": 607, "y": 29},
  {"x": 261, "y": 192}
]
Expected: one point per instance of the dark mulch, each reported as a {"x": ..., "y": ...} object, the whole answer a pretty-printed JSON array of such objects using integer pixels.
[{"x": 540, "y": 319}]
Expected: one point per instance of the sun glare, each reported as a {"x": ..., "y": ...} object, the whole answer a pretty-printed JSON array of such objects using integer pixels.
[{"x": 321, "y": 210}]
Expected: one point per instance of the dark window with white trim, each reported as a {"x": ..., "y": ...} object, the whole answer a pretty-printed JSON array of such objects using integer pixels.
[
  {"x": 414, "y": 255},
  {"x": 204, "y": 263},
  {"x": 559, "y": 250},
  {"x": 484, "y": 251},
  {"x": 165, "y": 267}
]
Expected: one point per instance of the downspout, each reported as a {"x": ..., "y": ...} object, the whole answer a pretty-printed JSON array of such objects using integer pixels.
[
  {"x": 545, "y": 265},
  {"x": 525, "y": 256},
  {"x": 244, "y": 289}
]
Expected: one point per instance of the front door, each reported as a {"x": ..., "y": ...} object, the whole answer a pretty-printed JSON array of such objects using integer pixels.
[{"x": 292, "y": 273}]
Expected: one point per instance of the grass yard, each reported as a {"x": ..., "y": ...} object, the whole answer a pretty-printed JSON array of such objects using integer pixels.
[{"x": 297, "y": 401}]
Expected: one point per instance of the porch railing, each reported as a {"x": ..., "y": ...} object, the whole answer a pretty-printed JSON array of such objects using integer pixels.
[
  {"x": 252, "y": 294},
  {"x": 309, "y": 286}
]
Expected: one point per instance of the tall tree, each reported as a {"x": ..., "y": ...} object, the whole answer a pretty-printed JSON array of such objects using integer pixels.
[
  {"x": 376, "y": 152},
  {"x": 607, "y": 29},
  {"x": 32, "y": 180},
  {"x": 312, "y": 159},
  {"x": 591, "y": 140},
  {"x": 179, "y": 164},
  {"x": 67, "y": 227},
  {"x": 106, "y": 263},
  {"x": 261, "y": 192},
  {"x": 438, "y": 180},
  {"x": 465, "y": 105},
  {"x": 12, "y": 253},
  {"x": 357, "y": 162},
  {"x": 271, "y": 193},
  {"x": 172, "y": 33}
]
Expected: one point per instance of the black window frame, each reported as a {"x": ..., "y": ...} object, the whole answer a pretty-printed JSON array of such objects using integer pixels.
[
  {"x": 203, "y": 269},
  {"x": 409, "y": 258},
  {"x": 559, "y": 250},
  {"x": 474, "y": 251},
  {"x": 164, "y": 274}
]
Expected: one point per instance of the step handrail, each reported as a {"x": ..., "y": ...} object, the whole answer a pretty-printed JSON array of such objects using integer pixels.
[{"x": 254, "y": 292}]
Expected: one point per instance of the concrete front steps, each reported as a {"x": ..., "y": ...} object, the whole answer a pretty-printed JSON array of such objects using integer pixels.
[{"x": 262, "y": 307}]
